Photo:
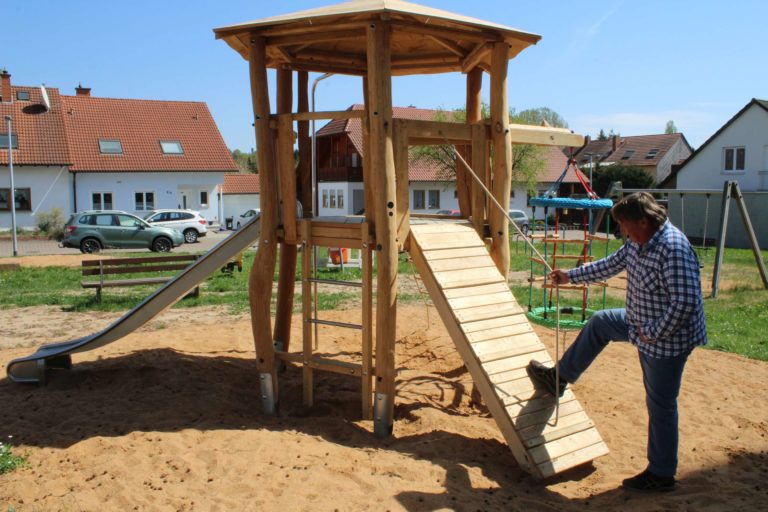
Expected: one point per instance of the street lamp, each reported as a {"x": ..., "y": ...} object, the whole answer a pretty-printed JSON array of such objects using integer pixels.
[
  {"x": 35, "y": 108},
  {"x": 315, "y": 199}
]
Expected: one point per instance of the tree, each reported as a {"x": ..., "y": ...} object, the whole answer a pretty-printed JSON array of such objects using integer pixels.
[
  {"x": 670, "y": 128},
  {"x": 246, "y": 162},
  {"x": 602, "y": 135},
  {"x": 630, "y": 176},
  {"x": 527, "y": 160}
]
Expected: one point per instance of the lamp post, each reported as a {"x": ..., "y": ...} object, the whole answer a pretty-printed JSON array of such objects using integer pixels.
[
  {"x": 315, "y": 199},
  {"x": 12, "y": 194}
]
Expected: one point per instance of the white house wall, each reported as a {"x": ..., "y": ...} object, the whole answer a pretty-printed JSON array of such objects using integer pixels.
[
  {"x": 168, "y": 188},
  {"x": 237, "y": 204},
  {"x": 705, "y": 170},
  {"x": 49, "y": 188}
]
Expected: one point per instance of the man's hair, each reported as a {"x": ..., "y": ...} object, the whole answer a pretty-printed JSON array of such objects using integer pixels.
[{"x": 638, "y": 206}]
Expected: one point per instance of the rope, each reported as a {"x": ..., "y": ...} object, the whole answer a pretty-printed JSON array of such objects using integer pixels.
[{"x": 506, "y": 278}]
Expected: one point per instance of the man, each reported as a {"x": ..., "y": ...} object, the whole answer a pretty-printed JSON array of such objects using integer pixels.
[{"x": 664, "y": 319}]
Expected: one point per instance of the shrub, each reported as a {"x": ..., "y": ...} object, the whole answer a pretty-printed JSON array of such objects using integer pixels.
[
  {"x": 9, "y": 461},
  {"x": 52, "y": 223}
]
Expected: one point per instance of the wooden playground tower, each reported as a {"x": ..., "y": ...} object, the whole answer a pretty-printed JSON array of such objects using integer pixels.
[{"x": 375, "y": 40}]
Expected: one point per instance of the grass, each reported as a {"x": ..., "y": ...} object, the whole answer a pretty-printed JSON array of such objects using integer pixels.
[
  {"x": 736, "y": 319},
  {"x": 9, "y": 461}
]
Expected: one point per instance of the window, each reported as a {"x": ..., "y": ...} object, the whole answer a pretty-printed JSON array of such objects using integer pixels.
[
  {"x": 171, "y": 147},
  {"x": 203, "y": 198},
  {"x": 325, "y": 199},
  {"x": 651, "y": 154},
  {"x": 734, "y": 159},
  {"x": 144, "y": 201},
  {"x": 355, "y": 160},
  {"x": 23, "y": 199},
  {"x": 340, "y": 199},
  {"x": 332, "y": 204},
  {"x": 127, "y": 221},
  {"x": 110, "y": 147},
  {"x": 101, "y": 200},
  {"x": 628, "y": 154},
  {"x": 418, "y": 199},
  {"x": 22, "y": 95},
  {"x": 106, "y": 220},
  {"x": 4, "y": 141},
  {"x": 434, "y": 200}
]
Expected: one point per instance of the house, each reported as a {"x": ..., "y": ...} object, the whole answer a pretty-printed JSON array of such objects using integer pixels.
[
  {"x": 240, "y": 192},
  {"x": 88, "y": 153},
  {"x": 431, "y": 188},
  {"x": 738, "y": 151},
  {"x": 656, "y": 154}
]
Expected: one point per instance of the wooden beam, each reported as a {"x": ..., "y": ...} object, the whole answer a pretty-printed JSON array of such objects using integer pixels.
[
  {"x": 367, "y": 321},
  {"x": 449, "y": 33},
  {"x": 383, "y": 170},
  {"x": 306, "y": 310},
  {"x": 449, "y": 45},
  {"x": 305, "y": 146},
  {"x": 437, "y": 130},
  {"x": 400, "y": 148},
  {"x": 475, "y": 57},
  {"x": 368, "y": 179},
  {"x": 335, "y": 114},
  {"x": 317, "y": 67},
  {"x": 544, "y": 136},
  {"x": 260, "y": 279},
  {"x": 309, "y": 37},
  {"x": 333, "y": 58},
  {"x": 425, "y": 60},
  {"x": 287, "y": 181},
  {"x": 502, "y": 157},
  {"x": 478, "y": 155}
]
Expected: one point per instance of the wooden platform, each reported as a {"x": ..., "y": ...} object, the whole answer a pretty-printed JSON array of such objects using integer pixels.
[{"x": 493, "y": 336}]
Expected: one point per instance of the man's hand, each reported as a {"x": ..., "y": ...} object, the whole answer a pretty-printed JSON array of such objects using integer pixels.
[
  {"x": 559, "y": 277},
  {"x": 643, "y": 337}
]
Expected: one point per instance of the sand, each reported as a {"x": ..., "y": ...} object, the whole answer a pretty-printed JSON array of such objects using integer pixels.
[{"x": 169, "y": 419}]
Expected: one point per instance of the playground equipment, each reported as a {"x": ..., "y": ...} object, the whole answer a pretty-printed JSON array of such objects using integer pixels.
[
  {"x": 731, "y": 190},
  {"x": 555, "y": 239},
  {"x": 374, "y": 40}
]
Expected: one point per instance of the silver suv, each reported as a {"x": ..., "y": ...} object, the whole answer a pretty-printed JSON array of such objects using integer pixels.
[{"x": 189, "y": 222}]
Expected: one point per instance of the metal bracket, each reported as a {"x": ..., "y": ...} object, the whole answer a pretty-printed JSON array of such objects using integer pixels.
[
  {"x": 267, "y": 393},
  {"x": 382, "y": 415}
]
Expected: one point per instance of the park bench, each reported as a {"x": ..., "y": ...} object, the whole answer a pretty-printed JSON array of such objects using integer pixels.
[{"x": 109, "y": 266}]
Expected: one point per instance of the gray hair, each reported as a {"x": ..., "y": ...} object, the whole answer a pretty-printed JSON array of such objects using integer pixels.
[{"x": 638, "y": 206}]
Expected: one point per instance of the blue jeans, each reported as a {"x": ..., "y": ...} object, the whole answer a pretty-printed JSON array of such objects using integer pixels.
[{"x": 661, "y": 377}]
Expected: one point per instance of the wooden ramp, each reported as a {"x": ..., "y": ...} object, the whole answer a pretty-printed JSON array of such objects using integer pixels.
[{"x": 493, "y": 336}]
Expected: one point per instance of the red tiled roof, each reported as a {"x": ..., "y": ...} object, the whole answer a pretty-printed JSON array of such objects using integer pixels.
[
  {"x": 241, "y": 184},
  {"x": 40, "y": 137},
  {"x": 554, "y": 165},
  {"x": 631, "y": 150},
  {"x": 140, "y": 125}
]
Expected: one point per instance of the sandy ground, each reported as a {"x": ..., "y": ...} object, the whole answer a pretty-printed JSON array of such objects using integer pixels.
[{"x": 169, "y": 419}]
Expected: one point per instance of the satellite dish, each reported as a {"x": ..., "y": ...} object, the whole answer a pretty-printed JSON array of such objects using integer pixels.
[
  {"x": 39, "y": 108},
  {"x": 44, "y": 95}
]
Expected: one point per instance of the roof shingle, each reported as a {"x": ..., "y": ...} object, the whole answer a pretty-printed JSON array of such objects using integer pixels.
[{"x": 241, "y": 184}]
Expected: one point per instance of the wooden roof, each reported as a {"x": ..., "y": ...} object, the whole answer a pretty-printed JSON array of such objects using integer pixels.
[{"x": 333, "y": 39}]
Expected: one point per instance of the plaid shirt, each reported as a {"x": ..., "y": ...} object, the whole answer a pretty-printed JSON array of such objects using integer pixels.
[{"x": 663, "y": 291}]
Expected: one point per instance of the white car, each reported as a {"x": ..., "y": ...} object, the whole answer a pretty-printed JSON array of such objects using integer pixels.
[
  {"x": 189, "y": 222},
  {"x": 520, "y": 218}
]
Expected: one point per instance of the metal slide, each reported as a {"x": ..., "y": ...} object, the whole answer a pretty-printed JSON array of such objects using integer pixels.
[{"x": 57, "y": 355}]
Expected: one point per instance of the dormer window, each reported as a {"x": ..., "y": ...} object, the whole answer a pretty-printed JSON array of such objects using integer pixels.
[
  {"x": 171, "y": 147},
  {"x": 110, "y": 147},
  {"x": 4, "y": 141},
  {"x": 22, "y": 95},
  {"x": 652, "y": 154},
  {"x": 628, "y": 154}
]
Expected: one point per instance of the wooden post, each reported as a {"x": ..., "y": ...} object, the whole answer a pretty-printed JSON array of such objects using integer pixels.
[
  {"x": 400, "y": 152},
  {"x": 478, "y": 154},
  {"x": 305, "y": 147},
  {"x": 726, "y": 204},
  {"x": 502, "y": 157},
  {"x": 750, "y": 232},
  {"x": 368, "y": 180},
  {"x": 383, "y": 173},
  {"x": 287, "y": 179},
  {"x": 260, "y": 280}
]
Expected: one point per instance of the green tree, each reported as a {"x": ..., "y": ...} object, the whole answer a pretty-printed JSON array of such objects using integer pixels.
[
  {"x": 670, "y": 128},
  {"x": 630, "y": 176},
  {"x": 246, "y": 162}
]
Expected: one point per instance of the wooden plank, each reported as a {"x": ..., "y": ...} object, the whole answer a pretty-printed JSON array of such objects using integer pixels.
[
  {"x": 438, "y": 130},
  {"x": 509, "y": 320},
  {"x": 114, "y": 283},
  {"x": 458, "y": 278},
  {"x": 499, "y": 332},
  {"x": 347, "y": 231},
  {"x": 132, "y": 269},
  {"x": 456, "y": 240},
  {"x": 441, "y": 227},
  {"x": 330, "y": 114},
  {"x": 538, "y": 403},
  {"x": 337, "y": 242},
  {"x": 481, "y": 300},
  {"x": 400, "y": 153},
  {"x": 572, "y": 459},
  {"x": 544, "y": 136},
  {"x": 512, "y": 360},
  {"x": 510, "y": 346},
  {"x": 562, "y": 423},
  {"x": 473, "y": 291},
  {"x": 546, "y": 415},
  {"x": 475, "y": 156},
  {"x": 152, "y": 259},
  {"x": 461, "y": 252},
  {"x": 487, "y": 312},
  {"x": 367, "y": 321},
  {"x": 449, "y": 45},
  {"x": 461, "y": 263},
  {"x": 287, "y": 177},
  {"x": 566, "y": 430},
  {"x": 564, "y": 446},
  {"x": 305, "y": 145},
  {"x": 475, "y": 57}
]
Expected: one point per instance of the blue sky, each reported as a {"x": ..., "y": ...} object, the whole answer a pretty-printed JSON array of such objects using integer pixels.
[{"x": 629, "y": 66}]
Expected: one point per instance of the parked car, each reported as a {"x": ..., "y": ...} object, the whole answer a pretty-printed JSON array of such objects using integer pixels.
[
  {"x": 454, "y": 213},
  {"x": 92, "y": 231},
  {"x": 189, "y": 222},
  {"x": 248, "y": 216},
  {"x": 520, "y": 218}
]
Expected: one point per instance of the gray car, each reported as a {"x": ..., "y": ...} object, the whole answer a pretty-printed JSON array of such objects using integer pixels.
[{"x": 92, "y": 231}]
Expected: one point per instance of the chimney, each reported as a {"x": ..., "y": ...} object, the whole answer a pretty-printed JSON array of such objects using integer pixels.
[
  {"x": 5, "y": 86},
  {"x": 614, "y": 142},
  {"x": 82, "y": 91}
]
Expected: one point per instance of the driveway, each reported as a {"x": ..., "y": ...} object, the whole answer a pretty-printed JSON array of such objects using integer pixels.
[{"x": 40, "y": 247}]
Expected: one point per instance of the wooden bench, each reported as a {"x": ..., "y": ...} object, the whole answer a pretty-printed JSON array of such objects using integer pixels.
[{"x": 107, "y": 266}]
